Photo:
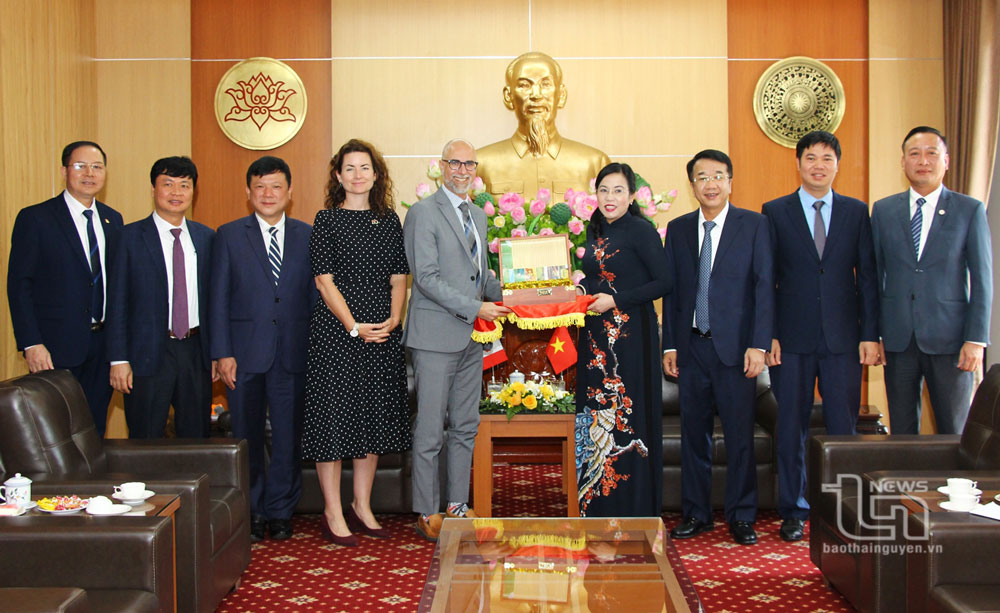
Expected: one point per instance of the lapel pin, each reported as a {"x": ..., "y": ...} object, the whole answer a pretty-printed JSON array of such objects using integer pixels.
[
  {"x": 941, "y": 212},
  {"x": 374, "y": 222},
  {"x": 106, "y": 221}
]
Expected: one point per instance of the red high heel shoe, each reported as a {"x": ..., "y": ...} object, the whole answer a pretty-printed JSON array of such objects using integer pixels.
[
  {"x": 344, "y": 541},
  {"x": 357, "y": 525}
]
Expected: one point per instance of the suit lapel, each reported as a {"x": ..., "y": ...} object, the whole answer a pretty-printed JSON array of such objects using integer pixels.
[
  {"x": 837, "y": 223},
  {"x": 902, "y": 215},
  {"x": 732, "y": 226},
  {"x": 290, "y": 252},
  {"x": 257, "y": 246},
  {"x": 940, "y": 214},
  {"x": 448, "y": 211},
  {"x": 64, "y": 222},
  {"x": 155, "y": 247},
  {"x": 691, "y": 241},
  {"x": 797, "y": 217}
]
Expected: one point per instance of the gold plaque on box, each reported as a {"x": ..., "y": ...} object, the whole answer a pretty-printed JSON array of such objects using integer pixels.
[
  {"x": 536, "y": 270},
  {"x": 795, "y": 96},
  {"x": 260, "y": 103}
]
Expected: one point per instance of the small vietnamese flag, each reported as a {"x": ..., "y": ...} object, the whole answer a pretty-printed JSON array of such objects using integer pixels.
[
  {"x": 561, "y": 351},
  {"x": 493, "y": 355}
]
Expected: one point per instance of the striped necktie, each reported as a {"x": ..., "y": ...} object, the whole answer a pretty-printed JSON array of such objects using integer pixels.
[
  {"x": 704, "y": 280},
  {"x": 274, "y": 255},
  {"x": 96, "y": 274},
  {"x": 917, "y": 225},
  {"x": 470, "y": 236}
]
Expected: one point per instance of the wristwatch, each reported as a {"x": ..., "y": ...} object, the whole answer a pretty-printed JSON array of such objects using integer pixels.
[{"x": 354, "y": 330}]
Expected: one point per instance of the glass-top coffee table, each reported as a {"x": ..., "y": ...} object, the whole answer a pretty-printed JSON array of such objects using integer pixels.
[{"x": 556, "y": 565}]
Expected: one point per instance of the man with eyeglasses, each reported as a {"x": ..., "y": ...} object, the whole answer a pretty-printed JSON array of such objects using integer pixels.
[
  {"x": 716, "y": 330},
  {"x": 57, "y": 277},
  {"x": 445, "y": 241},
  {"x": 826, "y": 323}
]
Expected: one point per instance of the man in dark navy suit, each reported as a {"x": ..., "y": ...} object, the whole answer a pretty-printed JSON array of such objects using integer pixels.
[
  {"x": 261, "y": 298},
  {"x": 716, "y": 329},
  {"x": 158, "y": 311},
  {"x": 935, "y": 281},
  {"x": 60, "y": 253},
  {"x": 826, "y": 323}
]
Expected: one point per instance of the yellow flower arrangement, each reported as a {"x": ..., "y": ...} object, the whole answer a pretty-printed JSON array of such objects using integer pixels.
[
  {"x": 518, "y": 397},
  {"x": 530, "y": 403}
]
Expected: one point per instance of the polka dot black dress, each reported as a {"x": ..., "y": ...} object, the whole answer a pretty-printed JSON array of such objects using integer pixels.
[{"x": 355, "y": 391}]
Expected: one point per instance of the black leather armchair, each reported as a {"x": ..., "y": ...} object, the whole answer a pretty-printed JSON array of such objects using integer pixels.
[
  {"x": 47, "y": 433},
  {"x": 857, "y": 505},
  {"x": 113, "y": 564}
]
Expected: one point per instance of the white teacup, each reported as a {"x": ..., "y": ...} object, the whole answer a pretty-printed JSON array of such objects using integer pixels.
[
  {"x": 133, "y": 490},
  {"x": 957, "y": 485},
  {"x": 964, "y": 502}
]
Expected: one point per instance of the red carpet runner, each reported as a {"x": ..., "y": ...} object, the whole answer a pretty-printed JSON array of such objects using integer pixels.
[{"x": 306, "y": 573}]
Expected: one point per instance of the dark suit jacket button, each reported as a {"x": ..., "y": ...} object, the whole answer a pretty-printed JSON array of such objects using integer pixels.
[
  {"x": 820, "y": 271},
  {"x": 472, "y": 278},
  {"x": 274, "y": 321},
  {"x": 277, "y": 299}
]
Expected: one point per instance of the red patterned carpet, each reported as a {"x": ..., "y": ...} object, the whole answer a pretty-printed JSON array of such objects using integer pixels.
[{"x": 306, "y": 573}]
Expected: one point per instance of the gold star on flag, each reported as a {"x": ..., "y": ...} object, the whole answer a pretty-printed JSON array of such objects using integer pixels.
[{"x": 557, "y": 345}]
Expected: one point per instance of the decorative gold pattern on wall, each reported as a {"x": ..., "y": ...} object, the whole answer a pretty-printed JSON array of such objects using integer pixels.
[
  {"x": 260, "y": 103},
  {"x": 795, "y": 96}
]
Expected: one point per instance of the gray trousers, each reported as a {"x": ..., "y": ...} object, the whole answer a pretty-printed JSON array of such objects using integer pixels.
[
  {"x": 950, "y": 390},
  {"x": 448, "y": 391}
]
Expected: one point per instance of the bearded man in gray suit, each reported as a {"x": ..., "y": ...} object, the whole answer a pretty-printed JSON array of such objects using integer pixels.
[
  {"x": 445, "y": 241},
  {"x": 935, "y": 281}
]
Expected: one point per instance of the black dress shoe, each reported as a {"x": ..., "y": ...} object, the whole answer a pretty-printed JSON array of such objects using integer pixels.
[
  {"x": 281, "y": 529},
  {"x": 691, "y": 526},
  {"x": 258, "y": 528},
  {"x": 792, "y": 529},
  {"x": 743, "y": 533}
]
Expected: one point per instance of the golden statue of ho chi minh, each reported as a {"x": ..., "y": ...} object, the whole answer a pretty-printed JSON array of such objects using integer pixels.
[{"x": 537, "y": 156}]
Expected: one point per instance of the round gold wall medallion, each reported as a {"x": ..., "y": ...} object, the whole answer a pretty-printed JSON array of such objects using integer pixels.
[
  {"x": 795, "y": 96},
  {"x": 260, "y": 103}
]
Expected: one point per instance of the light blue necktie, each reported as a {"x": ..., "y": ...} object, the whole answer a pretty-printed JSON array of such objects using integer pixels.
[
  {"x": 704, "y": 279},
  {"x": 916, "y": 225},
  {"x": 274, "y": 255}
]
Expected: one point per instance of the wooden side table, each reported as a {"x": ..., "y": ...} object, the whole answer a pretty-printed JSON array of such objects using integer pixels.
[{"x": 560, "y": 426}]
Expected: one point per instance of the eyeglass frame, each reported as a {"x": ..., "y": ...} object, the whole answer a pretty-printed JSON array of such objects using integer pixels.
[
  {"x": 712, "y": 179},
  {"x": 82, "y": 166},
  {"x": 470, "y": 165}
]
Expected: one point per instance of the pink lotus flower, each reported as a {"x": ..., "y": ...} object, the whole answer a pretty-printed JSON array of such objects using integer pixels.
[
  {"x": 545, "y": 195},
  {"x": 577, "y": 277},
  {"x": 580, "y": 251},
  {"x": 662, "y": 232},
  {"x": 478, "y": 186},
  {"x": 517, "y": 214},
  {"x": 576, "y": 226},
  {"x": 518, "y": 232},
  {"x": 495, "y": 245},
  {"x": 510, "y": 201},
  {"x": 423, "y": 190},
  {"x": 433, "y": 170},
  {"x": 672, "y": 194},
  {"x": 587, "y": 207},
  {"x": 644, "y": 195},
  {"x": 651, "y": 210},
  {"x": 546, "y": 232},
  {"x": 489, "y": 209},
  {"x": 568, "y": 197},
  {"x": 537, "y": 207},
  {"x": 665, "y": 205},
  {"x": 593, "y": 185}
]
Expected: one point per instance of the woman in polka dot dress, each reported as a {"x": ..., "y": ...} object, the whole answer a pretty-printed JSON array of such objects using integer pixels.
[{"x": 356, "y": 376}]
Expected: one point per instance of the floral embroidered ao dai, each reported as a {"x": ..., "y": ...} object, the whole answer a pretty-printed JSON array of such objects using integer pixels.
[{"x": 618, "y": 382}]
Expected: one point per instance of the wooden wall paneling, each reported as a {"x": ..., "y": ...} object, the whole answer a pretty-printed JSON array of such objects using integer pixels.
[
  {"x": 424, "y": 28},
  {"x": 149, "y": 29},
  {"x": 902, "y": 29},
  {"x": 782, "y": 28},
  {"x": 238, "y": 29},
  {"x": 626, "y": 28},
  {"x": 46, "y": 101}
]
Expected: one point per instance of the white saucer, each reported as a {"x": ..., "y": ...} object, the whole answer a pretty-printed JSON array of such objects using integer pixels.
[
  {"x": 20, "y": 511},
  {"x": 944, "y": 490},
  {"x": 31, "y": 504},
  {"x": 133, "y": 502},
  {"x": 115, "y": 509},
  {"x": 997, "y": 498},
  {"x": 947, "y": 506}
]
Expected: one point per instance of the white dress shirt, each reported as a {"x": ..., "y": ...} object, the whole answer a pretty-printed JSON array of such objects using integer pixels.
[
  {"x": 929, "y": 210},
  {"x": 265, "y": 232},
  {"x": 163, "y": 228},
  {"x": 76, "y": 209}
]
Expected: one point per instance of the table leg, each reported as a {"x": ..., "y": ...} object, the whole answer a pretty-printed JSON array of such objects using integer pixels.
[{"x": 482, "y": 471}]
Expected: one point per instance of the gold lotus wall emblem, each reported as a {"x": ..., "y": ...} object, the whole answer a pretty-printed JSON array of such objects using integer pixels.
[
  {"x": 795, "y": 96},
  {"x": 260, "y": 103}
]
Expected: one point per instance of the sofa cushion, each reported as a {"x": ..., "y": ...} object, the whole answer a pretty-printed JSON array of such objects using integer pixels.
[
  {"x": 45, "y": 600},
  {"x": 227, "y": 512}
]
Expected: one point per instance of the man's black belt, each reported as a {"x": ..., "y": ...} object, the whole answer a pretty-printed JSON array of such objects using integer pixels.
[
  {"x": 192, "y": 332},
  {"x": 700, "y": 334}
]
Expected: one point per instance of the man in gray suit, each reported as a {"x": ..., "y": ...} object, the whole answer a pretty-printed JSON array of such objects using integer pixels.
[
  {"x": 445, "y": 240},
  {"x": 935, "y": 279}
]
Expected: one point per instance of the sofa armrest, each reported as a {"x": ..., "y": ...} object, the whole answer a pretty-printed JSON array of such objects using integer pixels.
[
  {"x": 63, "y": 551},
  {"x": 766, "y": 414},
  {"x": 225, "y": 461},
  {"x": 953, "y": 540},
  {"x": 832, "y": 455}
]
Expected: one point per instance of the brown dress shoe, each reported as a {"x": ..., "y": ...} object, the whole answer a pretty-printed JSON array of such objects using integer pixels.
[{"x": 431, "y": 528}]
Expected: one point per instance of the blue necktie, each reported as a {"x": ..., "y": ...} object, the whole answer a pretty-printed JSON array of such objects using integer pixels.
[
  {"x": 704, "y": 278},
  {"x": 274, "y": 255},
  {"x": 96, "y": 275},
  {"x": 470, "y": 236},
  {"x": 916, "y": 225}
]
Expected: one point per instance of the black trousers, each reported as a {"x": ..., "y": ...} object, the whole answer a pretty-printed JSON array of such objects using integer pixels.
[
  {"x": 94, "y": 375},
  {"x": 183, "y": 381}
]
